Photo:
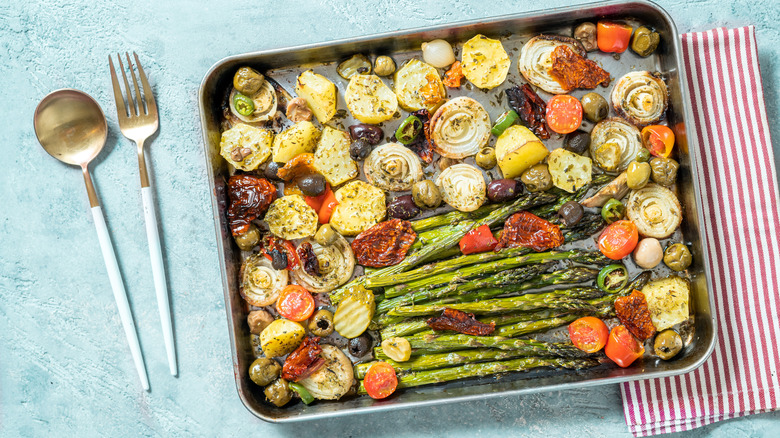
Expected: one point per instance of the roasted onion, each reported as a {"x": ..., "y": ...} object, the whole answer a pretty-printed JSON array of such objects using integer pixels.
[
  {"x": 462, "y": 187},
  {"x": 336, "y": 265},
  {"x": 438, "y": 53},
  {"x": 393, "y": 167},
  {"x": 334, "y": 379},
  {"x": 265, "y": 104},
  {"x": 535, "y": 63},
  {"x": 655, "y": 210},
  {"x": 640, "y": 97},
  {"x": 260, "y": 282},
  {"x": 620, "y": 133},
  {"x": 460, "y": 128}
]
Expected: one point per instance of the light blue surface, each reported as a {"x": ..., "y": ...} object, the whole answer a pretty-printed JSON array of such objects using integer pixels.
[{"x": 65, "y": 368}]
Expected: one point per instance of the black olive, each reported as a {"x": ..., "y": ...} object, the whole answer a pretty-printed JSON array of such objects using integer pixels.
[
  {"x": 372, "y": 134},
  {"x": 502, "y": 190},
  {"x": 272, "y": 170},
  {"x": 312, "y": 185},
  {"x": 577, "y": 142},
  {"x": 360, "y": 346},
  {"x": 359, "y": 149},
  {"x": 571, "y": 212},
  {"x": 278, "y": 259},
  {"x": 403, "y": 207}
]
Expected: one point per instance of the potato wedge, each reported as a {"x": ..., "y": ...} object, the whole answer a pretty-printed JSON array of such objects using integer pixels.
[
  {"x": 569, "y": 171},
  {"x": 332, "y": 158},
  {"x": 246, "y": 147},
  {"x": 484, "y": 61},
  {"x": 418, "y": 86},
  {"x": 290, "y": 217},
  {"x": 517, "y": 149},
  {"x": 361, "y": 205},
  {"x": 370, "y": 100},
  {"x": 300, "y": 138},
  {"x": 281, "y": 337},
  {"x": 319, "y": 93}
]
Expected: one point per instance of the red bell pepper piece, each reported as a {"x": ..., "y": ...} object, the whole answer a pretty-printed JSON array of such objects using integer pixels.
[
  {"x": 613, "y": 37},
  {"x": 479, "y": 239},
  {"x": 328, "y": 204}
]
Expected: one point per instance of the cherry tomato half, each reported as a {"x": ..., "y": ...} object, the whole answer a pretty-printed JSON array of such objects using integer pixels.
[
  {"x": 589, "y": 334},
  {"x": 479, "y": 239},
  {"x": 659, "y": 139},
  {"x": 613, "y": 37},
  {"x": 295, "y": 303},
  {"x": 380, "y": 380},
  {"x": 563, "y": 113},
  {"x": 622, "y": 347},
  {"x": 619, "y": 239}
]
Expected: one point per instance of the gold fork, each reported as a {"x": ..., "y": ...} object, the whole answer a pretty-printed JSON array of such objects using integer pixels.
[{"x": 138, "y": 120}]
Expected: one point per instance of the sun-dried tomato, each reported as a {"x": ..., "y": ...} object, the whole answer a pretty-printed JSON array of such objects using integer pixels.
[
  {"x": 461, "y": 322},
  {"x": 308, "y": 259},
  {"x": 530, "y": 107},
  {"x": 632, "y": 311},
  {"x": 304, "y": 361},
  {"x": 454, "y": 75},
  {"x": 384, "y": 244},
  {"x": 530, "y": 231},
  {"x": 250, "y": 196},
  {"x": 572, "y": 70}
]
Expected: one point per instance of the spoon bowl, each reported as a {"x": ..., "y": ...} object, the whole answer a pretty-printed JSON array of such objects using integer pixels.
[{"x": 71, "y": 126}]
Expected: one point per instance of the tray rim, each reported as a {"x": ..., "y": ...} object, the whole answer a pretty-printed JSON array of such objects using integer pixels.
[{"x": 692, "y": 151}]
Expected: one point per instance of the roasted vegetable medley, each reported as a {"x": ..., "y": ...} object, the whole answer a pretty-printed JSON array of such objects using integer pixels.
[{"x": 396, "y": 236}]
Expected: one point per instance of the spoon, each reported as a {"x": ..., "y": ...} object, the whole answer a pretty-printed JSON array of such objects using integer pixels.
[{"x": 71, "y": 127}]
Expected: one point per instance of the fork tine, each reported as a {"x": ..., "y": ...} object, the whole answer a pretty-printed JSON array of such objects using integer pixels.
[
  {"x": 135, "y": 86},
  {"x": 151, "y": 105},
  {"x": 121, "y": 107},
  {"x": 133, "y": 111}
]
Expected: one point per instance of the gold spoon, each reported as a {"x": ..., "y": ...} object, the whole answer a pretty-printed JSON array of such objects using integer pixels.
[{"x": 71, "y": 127}]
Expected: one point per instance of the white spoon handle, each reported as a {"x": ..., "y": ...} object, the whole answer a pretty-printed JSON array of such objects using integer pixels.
[
  {"x": 119, "y": 294},
  {"x": 158, "y": 272}
]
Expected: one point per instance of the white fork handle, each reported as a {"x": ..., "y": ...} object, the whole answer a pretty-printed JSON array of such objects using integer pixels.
[
  {"x": 119, "y": 294},
  {"x": 158, "y": 272}
]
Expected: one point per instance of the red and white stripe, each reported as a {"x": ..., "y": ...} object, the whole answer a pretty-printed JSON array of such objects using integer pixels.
[{"x": 738, "y": 184}]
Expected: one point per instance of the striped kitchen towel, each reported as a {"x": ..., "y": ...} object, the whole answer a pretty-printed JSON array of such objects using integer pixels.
[{"x": 738, "y": 184}]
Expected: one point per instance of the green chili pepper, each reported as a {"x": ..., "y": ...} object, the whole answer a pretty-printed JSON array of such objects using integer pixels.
[
  {"x": 409, "y": 130},
  {"x": 243, "y": 104},
  {"x": 612, "y": 278},
  {"x": 305, "y": 395},
  {"x": 504, "y": 121},
  {"x": 642, "y": 156},
  {"x": 613, "y": 210}
]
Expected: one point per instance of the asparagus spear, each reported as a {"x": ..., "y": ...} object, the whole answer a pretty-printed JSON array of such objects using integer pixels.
[
  {"x": 484, "y": 369},
  {"x": 478, "y": 270},
  {"x": 438, "y": 360},
  {"x": 452, "y": 218},
  {"x": 446, "y": 242},
  {"x": 459, "y": 341},
  {"x": 579, "y": 195}
]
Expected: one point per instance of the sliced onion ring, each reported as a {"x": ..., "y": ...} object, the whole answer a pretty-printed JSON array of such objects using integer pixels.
[
  {"x": 462, "y": 187},
  {"x": 460, "y": 128},
  {"x": 337, "y": 262},
  {"x": 655, "y": 210},
  {"x": 640, "y": 97},
  {"x": 393, "y": 167},
  {"x": 618, "y": 131},
  {"x": 535, "y": 63},
  {"x": 260, "y": 282}
]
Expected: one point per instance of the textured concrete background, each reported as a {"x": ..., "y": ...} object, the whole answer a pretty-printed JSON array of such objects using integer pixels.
[{"x": 65, "y": 367}]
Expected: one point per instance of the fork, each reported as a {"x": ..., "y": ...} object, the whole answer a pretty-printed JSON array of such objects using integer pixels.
[{"x": 138, "y": 120}]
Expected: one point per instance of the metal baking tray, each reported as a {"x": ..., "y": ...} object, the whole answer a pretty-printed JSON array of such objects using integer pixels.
[{"x": 283, "y": 64}]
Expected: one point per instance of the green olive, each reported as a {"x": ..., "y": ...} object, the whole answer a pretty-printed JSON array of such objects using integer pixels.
[
  {"x": 321, "y": 323},
  {"x": 638, "y": 174},
  {"x": 248, "y": 81},
  {"x": 384, "y": 66},
  {"x": 326, "y": 235},
  {"x": 645, "y": 41},
  {"x": 278, "y": 393},
  {"x": 607, "y": 156},
  {"x": 426, "y": 194},
  {"x": 594, "y": 107},
  {"x": 664, "y": 170},
  {"x": 486, "y": 158},
  {"x": 643, "y": 156},
  {"x": 264, "y": 371},
  {"x": 537, "y": 178},
  {"x": 667, "y": 344},
  {"x": 248, "y": 240},
  {"x": 678, "y": 257}
]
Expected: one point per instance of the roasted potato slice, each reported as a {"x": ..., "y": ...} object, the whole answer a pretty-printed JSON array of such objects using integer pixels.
[{"x": 370, "y": 100}]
